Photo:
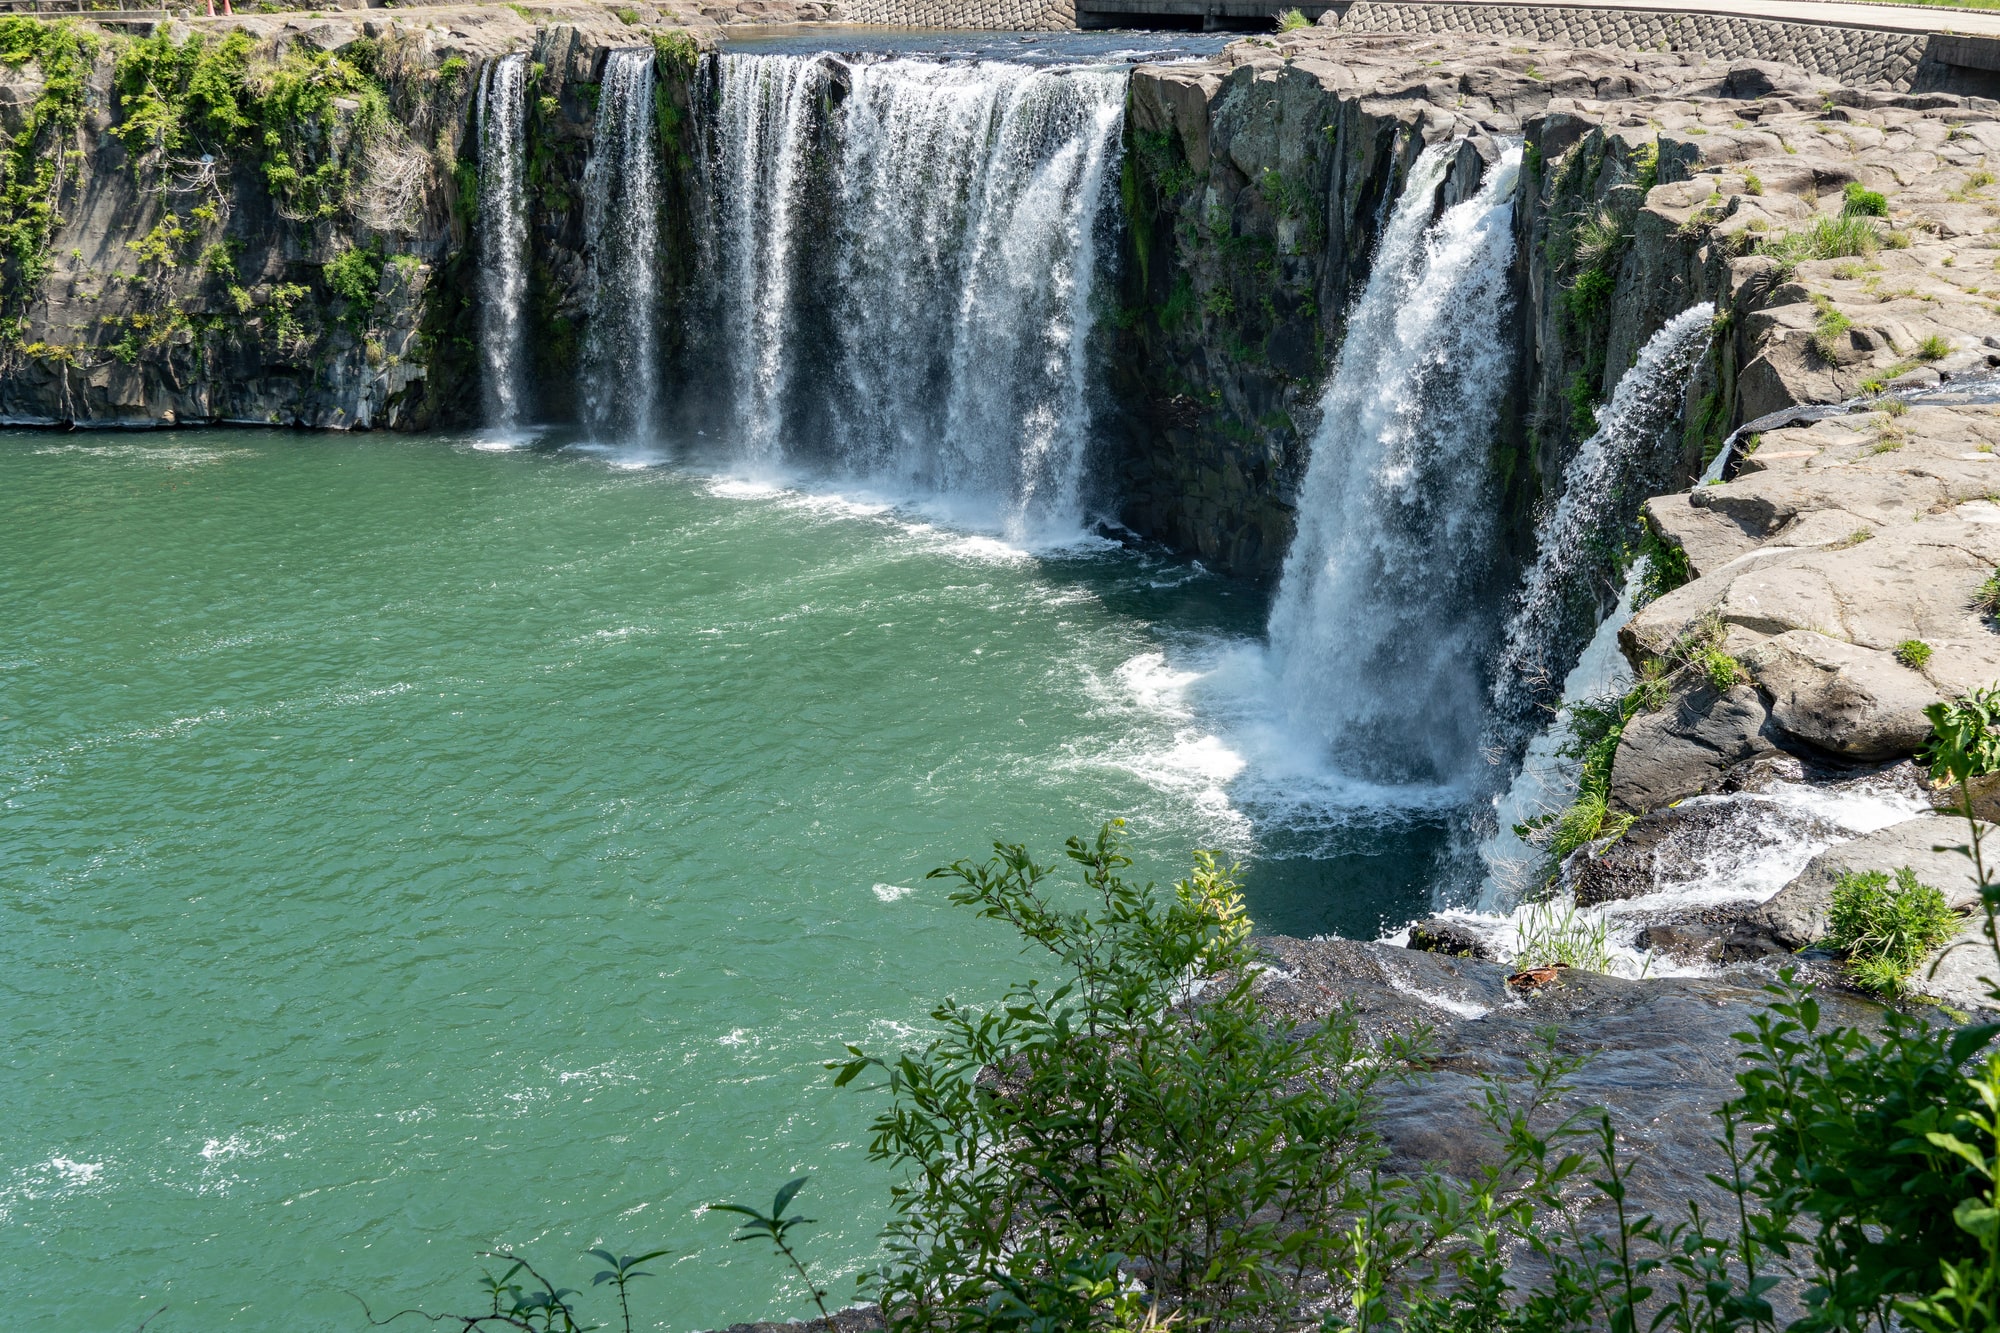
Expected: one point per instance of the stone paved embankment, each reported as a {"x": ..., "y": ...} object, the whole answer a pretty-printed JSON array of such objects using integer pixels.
[{"x": 1856, "y": 56}]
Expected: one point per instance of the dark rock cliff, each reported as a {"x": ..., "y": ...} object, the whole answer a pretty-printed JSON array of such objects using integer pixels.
[{"x": 307, "y": 256}]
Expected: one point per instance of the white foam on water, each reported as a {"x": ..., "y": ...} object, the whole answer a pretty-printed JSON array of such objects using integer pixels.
[
  {"x": 1776, "y": 833},
  {"x": 1449, "y": 1004},
  {"x": 156, "y": 455},
  {"x": 890, "y": 893},
  {"x": 1547, "y": 779}
]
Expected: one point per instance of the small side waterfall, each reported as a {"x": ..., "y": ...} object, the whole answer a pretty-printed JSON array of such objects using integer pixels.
[
  {"x": 503, "y": 236},
  {"x": 1596, "y": 498},
  {"x": 1611, "y": 473},
  {"x": 906, "y": 281},
  {"x": 1378, "y": 631},
  {"x": 621, "y": 228}
]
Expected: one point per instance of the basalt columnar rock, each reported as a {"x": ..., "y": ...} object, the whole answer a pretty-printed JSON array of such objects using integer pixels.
[{"x": 305, "y": 255}]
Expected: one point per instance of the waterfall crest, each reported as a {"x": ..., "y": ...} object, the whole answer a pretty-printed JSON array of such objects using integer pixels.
[
  {"x": 503, "y": 237},
  {"x": 1611, "y": 473},
  {"x": 1378, "y": 630},
  {"x": 904, "y": 282},
  {"x": 621, "y": 231}
]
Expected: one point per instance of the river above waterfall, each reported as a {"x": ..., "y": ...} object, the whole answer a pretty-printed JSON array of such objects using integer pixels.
[{"x": 414, "y": 847}]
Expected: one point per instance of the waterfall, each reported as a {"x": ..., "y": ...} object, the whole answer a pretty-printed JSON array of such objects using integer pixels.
[
  {"x": 621, "y": 236},
  {"x": 905, "y": 281},
  {"x": 1612, "y": 472},
  {"x": 1378, "y": 632},
  {"x": 1597, "y": 498},
  {"x": 1547, "y": 780},
  {"x": 503, "y": 236}
]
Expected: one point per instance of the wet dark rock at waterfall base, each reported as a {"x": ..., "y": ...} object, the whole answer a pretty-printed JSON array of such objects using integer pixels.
[
  {"x": 1438, "y": 935},
  {"x": 1662, "y": 1051}
]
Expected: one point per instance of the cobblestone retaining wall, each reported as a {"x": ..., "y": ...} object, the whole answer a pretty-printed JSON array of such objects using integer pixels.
[
  {"x": 1003, "y": 15},
  {"x": 1854, "y": 56}
]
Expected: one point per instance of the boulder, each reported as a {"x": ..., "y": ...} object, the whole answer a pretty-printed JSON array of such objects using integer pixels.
[
  {"x": 1850, "y": 700},
  {"x": 1687, "y": 747},
  {"x": 1440, "y": 935},
  {"x": 1963, "y": 973}
]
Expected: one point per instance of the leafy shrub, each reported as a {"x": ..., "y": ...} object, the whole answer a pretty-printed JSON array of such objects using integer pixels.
[
  {"x": 1667, "y": 567},
  {"x": 40, "y": 161},
  {"x": 1829, "y": 329},
  {"x": 355, "y": 275},
  {"x": 1588, "y": 298},
  {"x": 676, "y": 52},
  {"x": 1145, "y": 1108},
  {"x": 183, "y": 99},
  {"x": 1886, "y": 932},
  {"x": 310, "y": 148},
  {"x": 1913, "y": 653},
  {"x": 1858, "y": 201},
  {"x": 1965, "y": 737},
  {"x": 1583, "y": 399},
  {"x": 1595, "y": 728},
  {"x": 1700, "y": 649}
]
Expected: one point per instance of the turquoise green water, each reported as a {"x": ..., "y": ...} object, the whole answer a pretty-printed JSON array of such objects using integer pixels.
[{"x": 410, "y": 850}]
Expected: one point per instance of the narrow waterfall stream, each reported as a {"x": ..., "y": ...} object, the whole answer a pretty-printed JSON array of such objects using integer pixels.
[
  {"x": 503, "y": 238},
  {"x": 1597, "y": 494},
  {"x": 622, "y": 186},
  {"x": 905, "y": 286},
  {"x": 1378, "y": 630},
  {"x": 1611, "y": 474}
]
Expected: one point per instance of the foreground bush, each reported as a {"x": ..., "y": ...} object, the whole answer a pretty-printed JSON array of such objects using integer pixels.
[{"x": 1143, "y": 1119}]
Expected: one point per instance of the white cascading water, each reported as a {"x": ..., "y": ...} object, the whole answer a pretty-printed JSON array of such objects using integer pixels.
[
  {"x": 621, "y": 236},
  {"x": 906, "y": 284},
  {"x": 1547, "y": 780},
  {"x": 1646, "y": 402},
  {"x": 503, "y": 236},
  {"x": 1376, "y": 631},
  {"x": 1569, "y": 542}
]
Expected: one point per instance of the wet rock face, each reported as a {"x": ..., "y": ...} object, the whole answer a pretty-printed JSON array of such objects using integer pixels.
[
  {"x": 1255, "y": 187},
  {"x": 1441, "y": 936},
  {"x": 1686, "y": 747},
  {"x": 1662, "y": 1054}
]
